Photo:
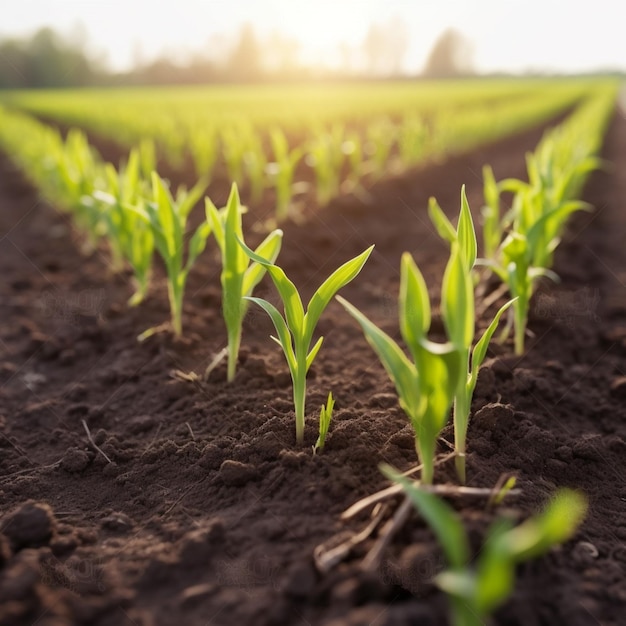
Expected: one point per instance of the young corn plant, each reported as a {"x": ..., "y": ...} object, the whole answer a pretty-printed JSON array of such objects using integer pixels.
[
  {"x": 282, "y": 170},
  {"x": 381, "y": 138},
  {"x": 167, "y": 217},
  {"x": 475, "y": 592},
  {"x": 352, "y": 147},
  {"x": 459, "y": 319},
  {"x": 526, "y": 253},
  {"x": 204, "y": 146},
  {"x": 239, "y": 276},
  {"x": 77, "y": 171},
  {"x": 427, "y": 384},
  {"x": 130, "y": 237},
  {"x": 326, "y": 158},
  {"x": 295, "y": 330},
  {"x": 236, "y": 138},
  {"x": 491, "y": 221},
  {"x": 412, "y": 140},
  {"x": 255, "y": 163}
]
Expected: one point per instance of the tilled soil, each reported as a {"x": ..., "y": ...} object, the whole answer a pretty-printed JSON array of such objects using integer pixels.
[{"x": 130, "y": 496}]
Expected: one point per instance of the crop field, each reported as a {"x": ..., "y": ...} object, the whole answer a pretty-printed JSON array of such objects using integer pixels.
[{"x": 341, "y": 354}]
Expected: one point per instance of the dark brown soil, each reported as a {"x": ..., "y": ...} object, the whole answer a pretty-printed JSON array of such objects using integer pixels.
[{"x": 204, "y": 510}]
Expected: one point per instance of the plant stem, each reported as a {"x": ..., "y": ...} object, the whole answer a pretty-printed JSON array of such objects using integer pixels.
[
  {"x": 299, "y": 399},
  {"x": 425, "y": 448},
  {"x": 141, "y": 290},
  {"x": 463, "y": 614},
  {"x": 234, "y": 341},
  {"x": 175, "y": 293},
  {"x": 521, "y": 314},
  {"x": 461, "y": 418}
]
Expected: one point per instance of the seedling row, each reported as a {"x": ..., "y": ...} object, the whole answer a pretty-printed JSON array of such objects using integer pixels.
[{"x": 299, "y": 151}]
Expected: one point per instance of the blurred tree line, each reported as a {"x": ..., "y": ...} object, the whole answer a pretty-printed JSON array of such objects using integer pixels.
[{"x": 47, "y": 59}]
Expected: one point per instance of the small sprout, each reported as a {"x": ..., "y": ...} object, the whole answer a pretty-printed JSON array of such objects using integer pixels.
[{"x": 326, "y": 415}]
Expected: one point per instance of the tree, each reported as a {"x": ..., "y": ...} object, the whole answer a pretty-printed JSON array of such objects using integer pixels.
[
  {"x": 385, "y": 46},
  {"x": 45, "y": 60},
  {"x": 451, "y": 56},
  {"x": 245, "y": 61}
]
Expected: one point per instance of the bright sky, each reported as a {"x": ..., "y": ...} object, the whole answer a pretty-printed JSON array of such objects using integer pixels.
[{"x": 511, "y": 35}]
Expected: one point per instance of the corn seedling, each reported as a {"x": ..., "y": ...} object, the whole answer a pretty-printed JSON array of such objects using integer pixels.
[
  {"x": 204, "y": 146},
  {"x": 352, "y": 147},
  {"x": 129, "y": 236},
  {"x": 295, "y": 330},
  {"x": 282, "y": 170},
  {"x": 459, "y": 318},
  {"x": 255, "y": 163},
  {"x": 491, "y": 222},
  {"x": 381, "y": 138},
  {"x": 412, "y": 140},
  {"x": 234, "y": 145},
  {"x": 239, "y": 277},
  {"x": 326, "y": 415},
  {"x": 326, "y": 158},
  {"x": 556, "y": 172},
  {"x": 167, "y": 217},
  {"x": 427, "y": 385},
  {"x": 78, "y": 172},
  {"x": 476, "y": 592}
]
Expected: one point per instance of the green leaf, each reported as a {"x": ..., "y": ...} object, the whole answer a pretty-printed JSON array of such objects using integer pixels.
[
  {"x": 164, "y": 217},
  {"x": 268, "y": 249},
  {"x": 480, "y": 349},
  {"x": 197, "y": 243},
  {"x": 466, "y": 233},
  {"x": 284, "y": 336},
  {"x": 495, "y": 573},
  {"x": 457, "y": 301},
  {"x": 215, "y": 217},
  {"x": 189, "y": 199},
  {"x": 442, "y": 519},
  {"x": 339, "y": 278},
  {"x": 443, "y": 225},
  {"x": 414, "y": 304},
  {"x": 294, "y": 311},
  {"x": 313, "y": 353},
  {"x": 491, "y": 190},
  {"x": 401, "y": 371},
  {"x": 554, "y": 526}
]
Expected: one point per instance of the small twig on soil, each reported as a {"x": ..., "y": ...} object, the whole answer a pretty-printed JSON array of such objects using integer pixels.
[
  {"x": 185, "y": 493},
  {"x": 383, "y": 494},
  {"x": 217, "y": 359},
  {"x": 326, "y": 558},
  {"x": 190, "y": 431},
  {"x": 34, "y": 469},
  {"x": 17, "y": 449},
  {"x": 93, "y": 443},
  {"x": 186, "y": 377},
  {"x": 153, "y": 439},
  {"x": 373, "y": 557}
]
